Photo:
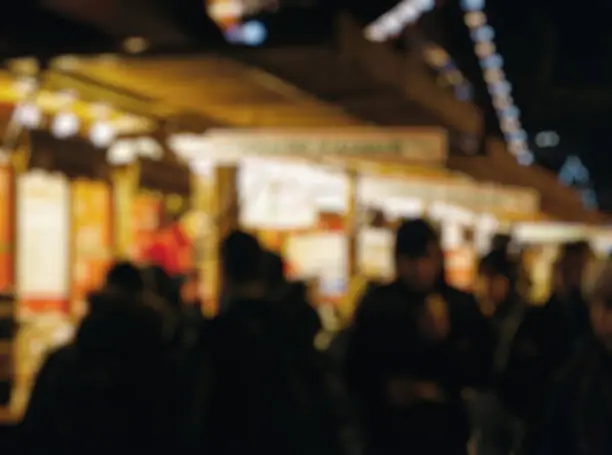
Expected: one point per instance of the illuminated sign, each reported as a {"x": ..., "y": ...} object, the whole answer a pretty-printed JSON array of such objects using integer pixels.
[{"x": 423, "y": 145}]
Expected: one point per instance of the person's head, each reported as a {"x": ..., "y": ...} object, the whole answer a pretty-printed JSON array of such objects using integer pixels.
[
  {"x": 571, "y": 266},
  {"x": 418, "y": 258},
  {"x": 122, "y": 325},
  {"x": 600, "y": 306},
  {"x": 273, "y": 270},
  {"x": 124, "y": 277},
  {"x": 241, "y": 261},
  {"x": 497, "y": 279}
]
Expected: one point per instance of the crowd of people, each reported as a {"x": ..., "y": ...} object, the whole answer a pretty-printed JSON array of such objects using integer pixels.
[{"x": 422, "y": 368}]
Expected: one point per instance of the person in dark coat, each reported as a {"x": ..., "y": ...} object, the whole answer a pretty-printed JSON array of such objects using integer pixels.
[
  {"x": 112, "y": 388},
  {"x": 264, "y": 397},
  {"x": 496, "y": 430},
  {"x": 292, "y": 298},
  {"x": 545, "y": 341},
  {"x": 581, "y": 412},
  {"x": 416, "y": 344}
]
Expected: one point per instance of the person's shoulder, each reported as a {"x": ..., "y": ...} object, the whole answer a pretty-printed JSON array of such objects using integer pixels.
[{"x": 375, "y": 297}]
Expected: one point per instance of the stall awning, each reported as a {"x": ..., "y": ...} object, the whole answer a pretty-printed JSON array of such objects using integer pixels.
[{"x": 218, "y": 88}]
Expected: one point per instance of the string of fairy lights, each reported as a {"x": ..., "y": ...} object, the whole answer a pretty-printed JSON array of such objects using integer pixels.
[
  {"x": 500, "y": 89},
  {"x": 407, "y": 12},
  {"x": 448, "y": 72},
  {"x": 65, "y": 123}
]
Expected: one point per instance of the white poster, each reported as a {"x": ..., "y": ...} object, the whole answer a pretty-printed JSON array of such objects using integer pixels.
[
  {"x": 323, "y": 256},
  {"x": 375, "y": 253},
  {"x": 42, "y": 242}
]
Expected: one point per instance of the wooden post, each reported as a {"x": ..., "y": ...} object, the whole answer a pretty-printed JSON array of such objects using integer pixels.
[
  {"x": 124, "y": 181},
  {"x": 221, "y": 208}
]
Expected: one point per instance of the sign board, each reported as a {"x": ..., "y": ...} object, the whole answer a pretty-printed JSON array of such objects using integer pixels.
[{"x": 419, "y": 145}]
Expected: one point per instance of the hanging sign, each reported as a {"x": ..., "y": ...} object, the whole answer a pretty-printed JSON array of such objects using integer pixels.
[{"x": 423, "y": 145}]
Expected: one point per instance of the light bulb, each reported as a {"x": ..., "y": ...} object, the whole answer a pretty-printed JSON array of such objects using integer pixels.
[
  {"x": 472, "y": 5},
  {"x": 102, "y": 134},
  {"x": 28, "y": 115},
  {"x": 254, "y": 33},
  {"x": 65, "y": 124}
]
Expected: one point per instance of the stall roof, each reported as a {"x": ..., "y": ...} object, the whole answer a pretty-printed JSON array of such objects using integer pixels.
[{"x": 222, "y": 90}]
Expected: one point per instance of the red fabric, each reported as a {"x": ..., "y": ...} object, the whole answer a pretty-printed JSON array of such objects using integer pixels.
[{"x": 171, "y": 249}]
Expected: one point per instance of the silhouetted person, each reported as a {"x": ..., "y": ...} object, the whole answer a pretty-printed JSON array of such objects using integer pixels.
[
  {"x": 112, "y": 389},
  {"x": 545, "y": 340},
  {"x": 124, "y": 277},
  {"x": 497, "y": 431},
  {"x": 581, "y": 414},
  {"x": 416, "y": 344},
  {"x": 292, "y": 298},
  {"x": 262, "y": 399}
]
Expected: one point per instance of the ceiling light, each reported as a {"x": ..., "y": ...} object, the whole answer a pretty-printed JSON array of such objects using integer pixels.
[
  {"x": 65, "y": 124},
  {"x": 102, "y": 134},
  {"x": 28, "y": 115}
]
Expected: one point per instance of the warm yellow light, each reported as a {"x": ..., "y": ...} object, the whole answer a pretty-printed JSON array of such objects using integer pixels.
[
  {"x": 494, "y": 75},
  {"x": 485, "y": 49},
  {"x": 454, "y": 77},
  {"x": 135, "y": 45},
  {"x": 501, "y": 102},
  {"x": 436, "y": 56},
  {"x": 475, "y": 19}
]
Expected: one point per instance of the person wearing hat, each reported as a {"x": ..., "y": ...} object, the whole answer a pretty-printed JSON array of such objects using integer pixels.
[{"x": 416, "y": 343}]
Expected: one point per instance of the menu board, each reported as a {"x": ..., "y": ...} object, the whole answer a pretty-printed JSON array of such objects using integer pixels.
[
  {"x": 147, "y": 211},
  {"x": 43, "y": 242},
  {"x": 91, "y": 237},
  {"x": 6, "y": 230}
]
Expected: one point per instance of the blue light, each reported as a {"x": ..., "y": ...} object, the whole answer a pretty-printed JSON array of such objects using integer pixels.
[
  {"x": 463, "y": 92},
  {"x": 491, "y": 62},
  {"x": 472, "y": 5},
  {"x": 517, "y": 136},
  {"x": 428, "y": 5},
  {"x": 525, "y": 159},
  {"x": 500, "y": 88},
  {"x": 511, "y": 112},
  {"x": 234, "y": 34},
  {"x": 483, "y": 34},
  {"x": 254, "y": 33}
]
